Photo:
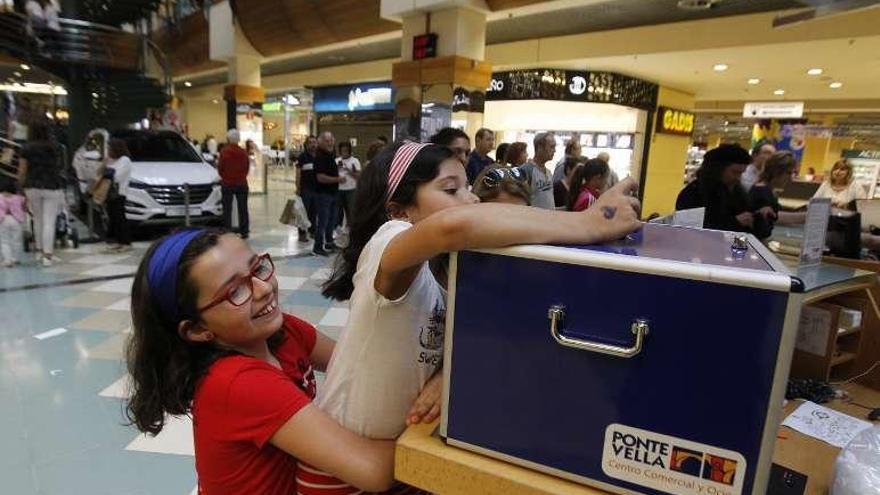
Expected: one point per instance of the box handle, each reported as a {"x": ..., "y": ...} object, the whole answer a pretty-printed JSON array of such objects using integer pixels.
[{"x": 639, "y": 328}]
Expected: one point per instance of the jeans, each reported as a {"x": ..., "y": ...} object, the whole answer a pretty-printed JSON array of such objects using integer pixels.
[
  {"x": 346, "y": 206},
  {"x": 310, "y": 198},
  {"x": 326, "y": 219},
  {"x": 10, "y": 238},
  {"x": 45, "y": 205},
  {"x": 119, "y": 230},
  {"x": 240, "y": 193}
]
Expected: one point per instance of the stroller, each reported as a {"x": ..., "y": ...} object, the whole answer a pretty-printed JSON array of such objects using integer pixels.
[{"x": 66, "y": 234}]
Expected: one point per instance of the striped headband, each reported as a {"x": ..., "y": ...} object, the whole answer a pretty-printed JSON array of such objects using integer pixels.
[{"x": 403, "y": 158}]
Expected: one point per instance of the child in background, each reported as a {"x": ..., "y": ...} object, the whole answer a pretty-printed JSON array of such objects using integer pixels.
[
  {"x": 502, "y": 185},
  {"x": 586, "y": 184},
  {"x": 210, "y": 340},
  {"x": 413, "y": 207},
  {"x": 12, "y": 216}
]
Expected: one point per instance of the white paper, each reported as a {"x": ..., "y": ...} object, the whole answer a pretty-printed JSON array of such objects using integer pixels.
[
  {"x": 692, "y": 217},
  {"x": 825, "y": 424},
  {"x": 815, "y": 230},
  {"x": 813, "y": 330}
]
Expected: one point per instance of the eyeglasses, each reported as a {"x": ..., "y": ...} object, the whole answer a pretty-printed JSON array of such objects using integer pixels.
[
  {"x": 241, "y": 290},
  {"x": 496, "y": 175}
]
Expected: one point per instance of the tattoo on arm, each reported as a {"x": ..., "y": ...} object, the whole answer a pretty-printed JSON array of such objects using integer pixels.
[{"x": 609, "y": 212}]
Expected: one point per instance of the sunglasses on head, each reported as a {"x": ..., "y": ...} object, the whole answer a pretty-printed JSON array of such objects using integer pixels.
[
  {"x": 241, "y": 289},
  {"x": 496, "y": 175}
]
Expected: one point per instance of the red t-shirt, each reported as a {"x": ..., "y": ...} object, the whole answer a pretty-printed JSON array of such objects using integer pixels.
[
  {"x": 239, "y": 404},
  {"x": 233, "y": 165}
]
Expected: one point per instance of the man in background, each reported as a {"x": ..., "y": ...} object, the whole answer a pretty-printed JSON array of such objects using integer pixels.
[
  {"x": 479, "y": 158},
  {"x": 456, "y": 140},
  {"x": 233, "y": 167},
  {"x": 612, "y": 175},
  {"x": 327, "y": 192},
  {"x": 539, "y": 176},
  {"x": 760, "y": 153}
]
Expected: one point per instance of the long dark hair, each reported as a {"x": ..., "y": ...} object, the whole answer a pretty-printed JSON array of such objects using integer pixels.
[
  {"x": 582, "y": 175},
  {"x": 370, "y": 210},
  {"x": 164, "y": 367}
]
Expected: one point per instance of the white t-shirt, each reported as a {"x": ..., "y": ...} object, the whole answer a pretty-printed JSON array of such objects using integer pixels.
[
  {"x": 750, "y": 177},
  {"x": 122, "y": 176},
  {"x": 346, "y": 167},
  {"x": 388, "y": 349},
  {"x": 841, "y": 198}
]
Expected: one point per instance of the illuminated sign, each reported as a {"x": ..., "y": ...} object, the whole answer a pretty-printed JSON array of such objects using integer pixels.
[
  {"x": 673, "y": 121},
  {"x": 355, "y": 98},
  {"x": 424, "y": 46}
]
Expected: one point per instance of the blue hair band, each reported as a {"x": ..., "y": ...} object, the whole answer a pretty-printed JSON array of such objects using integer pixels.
[{"x": 162, "y": 273}]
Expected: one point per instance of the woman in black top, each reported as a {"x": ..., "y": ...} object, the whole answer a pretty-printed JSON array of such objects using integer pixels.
[
  {"x": 762, "y": 198},
  {"x": 39, "y": 173},
  {"x": 718, "y": 189}
]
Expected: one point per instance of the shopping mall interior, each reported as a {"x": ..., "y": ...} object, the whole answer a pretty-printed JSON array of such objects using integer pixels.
[{"x": 203, "y": 288}]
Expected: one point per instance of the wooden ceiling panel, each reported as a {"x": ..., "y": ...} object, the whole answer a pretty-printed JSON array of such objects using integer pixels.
[
  {"x": 187, "y": 47},
  {"x": 497, "y": 5},
  {"x": 276, "y": 27}
]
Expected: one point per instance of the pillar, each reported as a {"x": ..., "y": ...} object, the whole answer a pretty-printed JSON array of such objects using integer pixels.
[
  {"x": 243, "y": 94},
  {"x": 667, "y": 154},
  {"x": 448, "y": 88}
]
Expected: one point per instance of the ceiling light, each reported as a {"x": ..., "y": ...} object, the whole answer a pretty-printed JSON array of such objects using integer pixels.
[
  {"x": 815, "y": 72},
  {"x": 836, "y": 85},
  {"x": 94, "y": 95},
  {"x": 215, "y": 101},
  {"x": 16, "y": 74},
  {"x": 719, "y": 67},
  {"x": 779, "y": 92},
  {"x": 754, "y": 80},
  {"x": 188, "y": 84},
  {"x": 25, "y": 67}
]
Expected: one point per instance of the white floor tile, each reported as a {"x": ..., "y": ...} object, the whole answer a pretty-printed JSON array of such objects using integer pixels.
[
  {"x": 290, "y": 283},
  {"x": 110, "y": 270},
  {"x": 176, "y": 438},
  {"x": 335, "y": 317},
  {"x": 322, "y": 274},
  {"x": 119, "y": 286},
  {"x": 100, "y": 259},
  {"x": 121, "y": 305},
  {"x": 120, "y": 389}
]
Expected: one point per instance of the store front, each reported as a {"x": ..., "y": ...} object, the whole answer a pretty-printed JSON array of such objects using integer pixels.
[
  {"x": 605, "y": 112},
  {"x": 358, "y": 113}
]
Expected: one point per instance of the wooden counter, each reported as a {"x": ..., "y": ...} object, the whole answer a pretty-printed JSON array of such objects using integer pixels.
[{"x": 425, "y": 461}]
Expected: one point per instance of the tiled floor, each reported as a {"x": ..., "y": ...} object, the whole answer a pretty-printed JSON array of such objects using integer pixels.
[{"x": 62, "y": 380}]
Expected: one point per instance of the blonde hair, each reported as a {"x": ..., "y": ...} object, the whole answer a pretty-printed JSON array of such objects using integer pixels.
[{"x": 838, "y": 165}]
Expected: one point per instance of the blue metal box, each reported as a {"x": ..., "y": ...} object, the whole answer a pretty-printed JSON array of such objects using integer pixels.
[{"x": 656, "y": 364}]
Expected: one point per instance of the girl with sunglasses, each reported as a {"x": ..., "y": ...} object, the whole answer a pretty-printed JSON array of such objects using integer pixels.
[
  {"x": 412, "y": 207},
  {"x": 211, "y": 341},
  {"x": 502, "y": 185}
]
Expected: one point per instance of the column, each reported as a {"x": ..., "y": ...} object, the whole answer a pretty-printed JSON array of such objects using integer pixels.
[{"x": 446, "y": 87}]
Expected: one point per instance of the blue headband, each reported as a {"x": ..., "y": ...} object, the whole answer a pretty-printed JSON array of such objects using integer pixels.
[{"x": 162, "y": 273}]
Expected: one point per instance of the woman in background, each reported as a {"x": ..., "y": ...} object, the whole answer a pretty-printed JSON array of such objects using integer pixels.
[
  {"x": 39, "y": 173},
  {"x": 500, "y": 153},
  {"x": 516, "y": 154},
  {"x": 840, "y": 186}
]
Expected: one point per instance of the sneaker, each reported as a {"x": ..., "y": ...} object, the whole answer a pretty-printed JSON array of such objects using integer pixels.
[
  {"x": 320, "y": 252},
  {"x": 331, "y": 247},
  {"x": 38, "y": 255},
  {"x": 47, "y": 262},
  {"x": 303, "y": 236}
]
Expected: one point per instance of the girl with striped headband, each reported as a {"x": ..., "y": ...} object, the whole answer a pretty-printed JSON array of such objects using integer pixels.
[{"x": 412, "y": 207}]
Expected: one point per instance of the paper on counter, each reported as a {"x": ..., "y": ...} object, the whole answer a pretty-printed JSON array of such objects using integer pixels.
[{"x": 825, "y": 424}]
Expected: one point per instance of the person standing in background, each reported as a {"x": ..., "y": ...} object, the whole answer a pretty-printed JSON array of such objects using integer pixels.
[
  {"x": 484, "y": 142},
  {"x": 587, "y": 183},
  {"x": 327, "y": 176},
  {"x": 500, "y": 153},
  {"x": 456, "y": 140},
  {"x": 572, "y": 150},
  {"x": 350, "y": 171},
  {"x": 120, "y": 164},
  {"x": 211, "y": 145},
  {"x": 760, "y": 153},
  {"x": 841, "y": 186},
  {"x": 39, "y": 172},
  {"x": 517, "y": 154},
  {"x": 612, "y": 175},
  {"x": 306, "y": 183},
  {"x": 540, "y": 178},
  {"x": 233, "y": 166}
]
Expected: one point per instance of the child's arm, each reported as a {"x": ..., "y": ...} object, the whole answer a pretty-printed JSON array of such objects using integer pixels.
[
  {"x": 492, "y": 225},
  {"x": 322, "y": 352},
  {"x": 316, "y": 439}
]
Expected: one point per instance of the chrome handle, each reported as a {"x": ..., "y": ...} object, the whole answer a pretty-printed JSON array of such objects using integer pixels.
[{"x": 639, "y": 328}]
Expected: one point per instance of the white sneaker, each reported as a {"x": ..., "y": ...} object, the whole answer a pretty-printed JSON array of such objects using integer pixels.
[
  {"x": 47, "y": 262},
  {"x": 8, "y": 263},
  {"x": 38, "y": 255}
]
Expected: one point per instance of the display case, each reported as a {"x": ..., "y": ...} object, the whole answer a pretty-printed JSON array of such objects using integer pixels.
[{"x": 655, "y": 364}]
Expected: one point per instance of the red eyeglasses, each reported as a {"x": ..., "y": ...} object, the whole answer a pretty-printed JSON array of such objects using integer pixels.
[{"x": 241, "y": 290}]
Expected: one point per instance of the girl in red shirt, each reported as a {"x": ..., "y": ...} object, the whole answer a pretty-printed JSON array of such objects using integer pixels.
[
  {"x": 586, "y": 184},
  {"x": 210, "y": 340}
]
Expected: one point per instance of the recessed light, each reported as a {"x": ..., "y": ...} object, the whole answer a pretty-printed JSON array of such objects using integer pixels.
[
  {"x": 187, "y": 84},
  {"x": 16, "y": 74},
  {"x": 836, "y": 85},
  {"x": 94, "y": 95},
  {"x": 815, "y": 72},
  {"x": 779, "y": 92},
  {"x": 754, "y": 80},
  {"x": 25, "y": 67},
  {"x": 215, "y": 101},
  {"x": 719, "y": 67}
]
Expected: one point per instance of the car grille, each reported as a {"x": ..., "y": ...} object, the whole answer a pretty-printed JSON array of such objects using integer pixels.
[{"x": 173, "y": 195}]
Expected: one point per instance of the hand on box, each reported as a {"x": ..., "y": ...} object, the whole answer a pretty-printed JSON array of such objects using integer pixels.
[
  {"x": 616, "y": 211},
  {"x": 426, "y": 408}
]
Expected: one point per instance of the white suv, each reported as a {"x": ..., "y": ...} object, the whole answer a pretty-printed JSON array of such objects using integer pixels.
[{"x": 164, "y": 163}]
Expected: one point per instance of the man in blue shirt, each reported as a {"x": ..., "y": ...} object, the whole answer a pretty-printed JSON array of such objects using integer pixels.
[{"x": 479, "y": 158}]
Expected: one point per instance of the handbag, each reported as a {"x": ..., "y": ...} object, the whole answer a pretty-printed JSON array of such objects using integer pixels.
[
  {"x": 295, "y": 214},
  {"x": 104, "y": 188},
  {"x": 288, "y": 216}
]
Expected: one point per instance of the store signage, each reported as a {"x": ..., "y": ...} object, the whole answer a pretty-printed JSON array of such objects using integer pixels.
[
  {"x": 674, "y": 121},
  {"x": 774, "y": 110},
  {"x": 468, "y": 101},
  {"x": 425, "y": 46},
  {"x": 355, "y": 98},
  {"x": 578, "y": 85},
  {"x": 273, "y": 107},
  {"x": 865, "y": 154}
]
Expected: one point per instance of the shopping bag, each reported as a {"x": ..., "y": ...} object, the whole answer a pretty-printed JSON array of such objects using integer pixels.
[
  {"x": 101, "y": 190},
  {"x": 288, "y": 216},
  {"x": 301, "y": 216}
]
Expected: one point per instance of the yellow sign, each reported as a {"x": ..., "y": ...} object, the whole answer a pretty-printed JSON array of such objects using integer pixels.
[{"x": 673, "y": 121}]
